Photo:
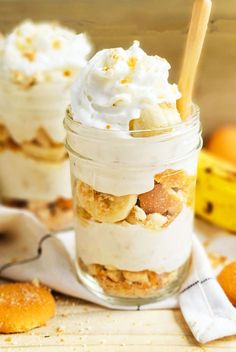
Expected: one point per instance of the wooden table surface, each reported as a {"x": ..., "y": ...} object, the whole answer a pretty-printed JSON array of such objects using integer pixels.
[{"x": 79, "y": 326}]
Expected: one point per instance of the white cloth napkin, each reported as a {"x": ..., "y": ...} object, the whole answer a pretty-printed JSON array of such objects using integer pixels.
[{"x": 28, "y": 252}]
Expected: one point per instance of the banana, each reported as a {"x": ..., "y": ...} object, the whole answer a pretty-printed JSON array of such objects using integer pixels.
[
  {"x": 42, "y": 147},
  {"x": 104, "y": 207},
  {"x": 163, "y": 115},
  {"x": 216, "y": 191},
  {"x": 55, "y": 153}
]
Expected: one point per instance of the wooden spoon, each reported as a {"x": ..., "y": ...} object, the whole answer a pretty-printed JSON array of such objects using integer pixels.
[{"x": 196, "y": 35}]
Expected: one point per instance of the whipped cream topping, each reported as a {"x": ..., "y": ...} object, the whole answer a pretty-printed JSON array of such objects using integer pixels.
[
  {"x": 45, "y": 51},
  {"x": 118, "y": 86}
]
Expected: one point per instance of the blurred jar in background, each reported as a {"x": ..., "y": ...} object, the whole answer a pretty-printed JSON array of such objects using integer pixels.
[{"x": 38, "y": 63}]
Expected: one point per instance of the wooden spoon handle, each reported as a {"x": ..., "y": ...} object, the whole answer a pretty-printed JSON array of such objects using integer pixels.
[{"x": 196, "y": 35}]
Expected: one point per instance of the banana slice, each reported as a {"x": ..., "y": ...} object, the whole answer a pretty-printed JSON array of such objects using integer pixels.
[
  {"x": 104, "y": 207},
  {"x": 163, "y": 115},
  {"x": 56, "y": 153}
]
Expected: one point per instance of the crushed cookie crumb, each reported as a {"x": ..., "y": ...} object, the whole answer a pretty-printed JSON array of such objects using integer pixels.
[
  {"x": 132, "y": 62},
  {"x": 29, "y": 55},
  {"x": 125, "y": 80},
  {"x": 21, "y": 46},
  {"x": 67, "y": 72},
  {"x": 108, "y": 126},
  {"x": 56, "y": 44},
  {"x": 60, "y": 329},
  {"x": 129, "y": 284},
  {"x": 28, "y": 40},
  {"x": 17, "y": 76},
  {"x": 35, "y": 282},
  {"x": 31, "y": 82},
  {"x": 48, "y": 77},
  {"x": 166, "y": 105},
  {"x": 106, "y": 68},
  {"x": 25, "y": 82},
  {"x": 115, "y": 57},
  {"x": 8, "y": 339},
  {"x": 216, "y": 259}
]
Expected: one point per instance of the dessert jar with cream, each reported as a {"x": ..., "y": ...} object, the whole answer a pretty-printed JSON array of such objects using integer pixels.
[
  {"x": 133, "y": 164},
  {"x": 38, "y": 63}
]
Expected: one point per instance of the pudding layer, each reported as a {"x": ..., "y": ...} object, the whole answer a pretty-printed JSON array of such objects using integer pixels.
[
  {"x": 22, "y": 177},
  {"x": 134, "y": 247}
]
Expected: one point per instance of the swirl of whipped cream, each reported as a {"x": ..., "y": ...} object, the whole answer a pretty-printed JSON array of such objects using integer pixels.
[
  {"x": 44, "y": 50},
  {"x": 119, "y": 86}
]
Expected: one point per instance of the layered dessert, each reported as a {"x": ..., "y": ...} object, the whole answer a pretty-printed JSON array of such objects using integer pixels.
[
  {"x": 38, "y": 63},
  {"x": 133, "y": 165}
]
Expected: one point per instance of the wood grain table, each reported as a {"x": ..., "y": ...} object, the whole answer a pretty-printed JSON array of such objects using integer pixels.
[{"x": 80, "y": 326}]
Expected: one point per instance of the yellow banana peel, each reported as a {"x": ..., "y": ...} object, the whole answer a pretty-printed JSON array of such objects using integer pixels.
[{"x": 216, "y": 191}]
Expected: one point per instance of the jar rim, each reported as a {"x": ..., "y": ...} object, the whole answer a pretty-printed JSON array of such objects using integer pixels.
[
  {"x": 188, "y": 134},
  {"x": 177, "y": 128}
]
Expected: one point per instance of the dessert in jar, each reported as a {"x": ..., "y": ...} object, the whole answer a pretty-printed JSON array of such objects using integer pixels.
[
  {"x": 133, "y": 165},
  {"x": 38, "y": 63}
]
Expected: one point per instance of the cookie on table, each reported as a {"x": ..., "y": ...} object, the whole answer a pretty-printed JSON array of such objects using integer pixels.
[
  {"x": 24, "y": 306},
  {"x": 227, "y": 280}
]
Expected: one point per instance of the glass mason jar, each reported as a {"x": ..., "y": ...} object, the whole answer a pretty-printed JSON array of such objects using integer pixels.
[
  {"x": 133, "y": 195},
  {"x": 34, "y": 164}
]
